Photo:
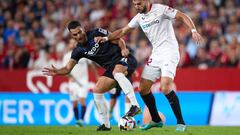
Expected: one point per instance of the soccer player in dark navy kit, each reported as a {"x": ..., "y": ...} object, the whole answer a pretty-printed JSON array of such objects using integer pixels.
[{"x": 113, "y": 56}]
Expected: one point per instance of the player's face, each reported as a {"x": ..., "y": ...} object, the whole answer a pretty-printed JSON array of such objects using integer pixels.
[
  {"x": 78, "y": 34},
  {"x": 140, "y": 5}
]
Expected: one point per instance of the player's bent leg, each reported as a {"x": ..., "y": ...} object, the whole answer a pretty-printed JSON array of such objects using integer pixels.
[
  {"x": 75, "y": 110},
  {"x": 82, "y": 101},
  {"x": 125, "y": 84},
  {"x": 104, "y": 84},
  {"x": 79, "y": 121},
  {"x": 165, "y": 84},
  {"x": 145, "y": 86},
  {"x": 174, "y": 102},
  {"x": 150, "y": 102},
  {"x": 127, "y": 104}
]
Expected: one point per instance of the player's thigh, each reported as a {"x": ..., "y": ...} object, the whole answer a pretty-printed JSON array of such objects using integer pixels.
[
  {"x": 151, "y": 73},
  {"x": 168, "y": 72},
  {"x": 145, "y": 86},
  {"x": 120, "y": 69},
  {"x": 104, "y": 84},
  {"x": 169, "y": 65}
]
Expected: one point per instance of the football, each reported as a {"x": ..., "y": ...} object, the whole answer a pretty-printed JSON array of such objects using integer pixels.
[{"x": 126, "y": 123}]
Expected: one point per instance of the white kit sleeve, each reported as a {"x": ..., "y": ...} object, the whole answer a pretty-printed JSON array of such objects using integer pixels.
[
  {"x": 134, "y": 22},
  {"x": 170, "y": 12}
]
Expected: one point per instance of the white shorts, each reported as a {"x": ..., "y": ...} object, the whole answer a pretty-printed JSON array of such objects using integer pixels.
[
  {"x": 76, "y": 91},
  {"x": 165, "y": 68}
]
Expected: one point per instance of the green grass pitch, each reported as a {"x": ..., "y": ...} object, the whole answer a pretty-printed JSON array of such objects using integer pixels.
[{"x": 90, "y": 130}]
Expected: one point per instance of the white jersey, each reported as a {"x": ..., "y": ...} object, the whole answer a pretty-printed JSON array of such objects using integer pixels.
[
  {"x": 80, "y": 70},
  {"x": 157, "y": 25}
]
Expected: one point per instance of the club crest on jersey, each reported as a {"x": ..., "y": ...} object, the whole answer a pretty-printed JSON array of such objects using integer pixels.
[{"x": 170, "y": 10}]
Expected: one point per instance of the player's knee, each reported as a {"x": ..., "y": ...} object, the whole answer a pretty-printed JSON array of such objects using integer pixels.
[
  {"x": 97, "y": 90},
  {"x": 75, "y": 104},
  {"x": 120, "y": 69},
  {"x": 165, "y": 87},
  {"x": 82, "y": 101},
  {"x": 144, "y": 89}
]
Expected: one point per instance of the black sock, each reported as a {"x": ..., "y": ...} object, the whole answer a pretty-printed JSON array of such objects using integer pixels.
[
  {"x": 83, "y": 108},
  {"x": 174, "y": 102},
  {"x": 75, "y": 109},
  {"x": 149, "y": 100}
]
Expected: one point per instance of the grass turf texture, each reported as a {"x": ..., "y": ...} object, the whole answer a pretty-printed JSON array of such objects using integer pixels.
[{"x": 91, "y": 130}]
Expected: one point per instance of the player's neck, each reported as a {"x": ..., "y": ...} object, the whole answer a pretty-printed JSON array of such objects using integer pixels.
[
  {"x": 86, "y": 39},
  {"x": 149, "y": 7}
]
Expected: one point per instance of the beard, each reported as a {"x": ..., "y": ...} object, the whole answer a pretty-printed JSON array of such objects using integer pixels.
[{"x": 144, "y": 10}]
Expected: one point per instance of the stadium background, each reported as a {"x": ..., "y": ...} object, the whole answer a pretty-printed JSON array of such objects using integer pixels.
[{"x": 33, "y": 35}]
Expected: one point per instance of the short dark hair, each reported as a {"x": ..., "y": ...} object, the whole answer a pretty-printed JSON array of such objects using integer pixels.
[{"x": 73, "y": 24}]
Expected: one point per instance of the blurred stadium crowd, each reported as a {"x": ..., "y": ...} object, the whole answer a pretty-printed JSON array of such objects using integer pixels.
[{"x": 33, "y": 33}]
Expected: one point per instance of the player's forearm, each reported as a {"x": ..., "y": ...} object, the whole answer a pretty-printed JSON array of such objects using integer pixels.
[
  {"x": 187, "y": 20},
  {"x": 121, "y": 44},
  {"x": 116, "y": 35},
  {"x": 62, "y": 71}
]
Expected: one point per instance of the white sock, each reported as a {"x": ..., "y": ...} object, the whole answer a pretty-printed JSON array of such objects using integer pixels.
[
  {"x": 102, "y": 108},
  {"x": 127, "y": 106},
  {"x": 127, "y": 87}
]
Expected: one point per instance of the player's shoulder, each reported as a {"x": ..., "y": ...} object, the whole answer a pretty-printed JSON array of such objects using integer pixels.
[
  {"x": 78, "y": 49},
  {"x": 158, "y": 6},
  {"x": 137, "y": 16},
  {"x": 98, "y": 32}
]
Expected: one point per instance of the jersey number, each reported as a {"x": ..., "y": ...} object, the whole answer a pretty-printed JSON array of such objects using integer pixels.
[{"x": 103, "y": 31}]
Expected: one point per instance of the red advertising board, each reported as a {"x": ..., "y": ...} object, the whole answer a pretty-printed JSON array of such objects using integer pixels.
[{"x": 190, "y": 79}]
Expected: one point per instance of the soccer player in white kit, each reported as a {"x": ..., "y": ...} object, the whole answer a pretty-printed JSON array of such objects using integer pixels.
[
  {"x": 156, "y": 22},
  {"x": 78, "y": 82}
]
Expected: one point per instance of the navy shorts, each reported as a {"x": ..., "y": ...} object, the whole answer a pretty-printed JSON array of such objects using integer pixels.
[{"x": 129, "y": 62}]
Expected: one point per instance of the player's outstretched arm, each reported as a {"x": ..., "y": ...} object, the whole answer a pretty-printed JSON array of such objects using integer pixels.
[
  {"x": 61, "y": 71},
  {"x": 188, "y": 21},
  {"x": 115, "y": 35}
]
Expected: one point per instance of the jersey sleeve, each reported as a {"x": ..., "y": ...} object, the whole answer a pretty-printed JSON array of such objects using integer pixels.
[
  {"x": 170, "y": 12},
  {"x": 134, "y": 22},
  {"x": 76, "y": 56}
]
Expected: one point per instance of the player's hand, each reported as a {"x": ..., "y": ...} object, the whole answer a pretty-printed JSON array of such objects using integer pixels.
[
  {"x": 197, "y": 38},
  {"x": 125, "y": 52},
  {"x": 100, "y": 39},
  {"x": 50, "y": 71}
]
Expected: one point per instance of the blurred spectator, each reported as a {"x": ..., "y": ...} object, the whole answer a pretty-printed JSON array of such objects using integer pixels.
[
  {"x": 33, "y": 25},
  {"x": 143, "y": 52},
  {"x": 50, "y": 32},
  {"x": 215, "y": 52},
  {"x": 185, "y": 60},
  {"x": 21, "y": 58},
  {"x": 96, "y": 10},
  {"x": 45, "y": 59},
  {"x": 202, "y": 60}
]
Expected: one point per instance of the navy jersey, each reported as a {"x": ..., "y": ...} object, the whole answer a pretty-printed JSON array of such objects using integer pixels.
[{"x": 105, "y": 54}]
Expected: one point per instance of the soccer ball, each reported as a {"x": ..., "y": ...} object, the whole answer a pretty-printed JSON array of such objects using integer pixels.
[{"x": 126, "y": 123}]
